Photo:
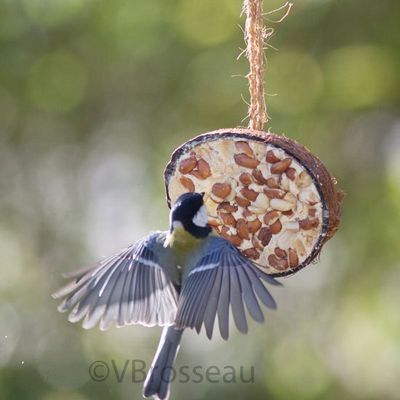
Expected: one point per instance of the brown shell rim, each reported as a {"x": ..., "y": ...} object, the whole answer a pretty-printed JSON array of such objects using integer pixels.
[{"x": 326, "y": 185}]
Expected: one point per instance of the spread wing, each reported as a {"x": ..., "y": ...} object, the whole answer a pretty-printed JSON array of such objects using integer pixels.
[
  {"x": 220, "y": 280},
  {"x": 130, "y": 287}
]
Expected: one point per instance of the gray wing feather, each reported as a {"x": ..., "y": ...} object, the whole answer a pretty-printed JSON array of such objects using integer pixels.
[
  {"x": 223, "y": 304},
  {"x": 113, "y": 303},
  {"x": 123, "y": 316},
  {"x": 202, "y": 307},
  {"x": 237, "y": 307},
  {"x": 130, "y": 287},
  {"x": 198, "y": 308},
  {"x": 187, "y": 296},
  {"x": 260, "y": 290},
  {"x": 221, "y": 280},
  {"x": 193, "y": 308},
  {"x": 249, "y": 297},
  {"x": 212, "y": 304}
]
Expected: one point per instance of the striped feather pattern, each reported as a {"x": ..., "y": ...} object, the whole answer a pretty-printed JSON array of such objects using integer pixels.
[{"x": 220, "y": 281}]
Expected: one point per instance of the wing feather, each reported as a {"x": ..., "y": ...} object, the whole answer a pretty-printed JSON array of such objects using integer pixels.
[
  {"x": 223, "y": 304},
  {"x": 212, "y": 304},
  {"x": 203, "y": 305},
  {"x": 260, "y": 290},
  {"x": 220, "y": 281},
  {"x": 250, "y": 298},
  {"x": 237, "y": 307},
  {"x": 130, "y": 287}
]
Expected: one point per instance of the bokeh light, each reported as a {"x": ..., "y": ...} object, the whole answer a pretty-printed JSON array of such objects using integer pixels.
[
  {"x": 297, "y": 371},
  {"x": 57, "y": 82},
  {"x": 302, "y": 77},
  {"x": 123, "y": 25},
  {"x": 360, "y": 76},
  {"x": 206, "y": 22},
  {"x": 50, "y": 13}
]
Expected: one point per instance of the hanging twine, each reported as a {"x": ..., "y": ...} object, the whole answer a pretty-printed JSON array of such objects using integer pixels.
[{"x": 255, "y": 36}]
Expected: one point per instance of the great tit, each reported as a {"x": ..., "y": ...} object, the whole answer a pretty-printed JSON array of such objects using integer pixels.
[{"x": 180, "y": 278}]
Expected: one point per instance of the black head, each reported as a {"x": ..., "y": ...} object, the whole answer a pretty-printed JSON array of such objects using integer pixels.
[{"x": 190, "y": 212}]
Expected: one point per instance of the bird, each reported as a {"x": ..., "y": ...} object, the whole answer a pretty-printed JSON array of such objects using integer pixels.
[{"x": 180, "y": 278}]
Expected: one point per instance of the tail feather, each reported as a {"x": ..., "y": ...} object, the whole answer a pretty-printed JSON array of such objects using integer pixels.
[{"x": 159, "y": 375}]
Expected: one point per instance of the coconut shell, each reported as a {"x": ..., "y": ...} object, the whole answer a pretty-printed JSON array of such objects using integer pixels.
[{"x": 249, "y": 177}]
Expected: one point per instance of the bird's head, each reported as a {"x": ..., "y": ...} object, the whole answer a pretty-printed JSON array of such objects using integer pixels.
[{"x": 189, "y": 215}]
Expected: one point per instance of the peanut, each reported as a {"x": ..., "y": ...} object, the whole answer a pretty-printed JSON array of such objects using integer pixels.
[
  {"x": 278, "y": 263},
  {"x": 312, "y": 212},
  {"x": 245, "y": 179},
  {"x": 241, "y": 202},
  {"x": 231, "y": 196},
  {"x": 261, "y": 201},
  {"x": 256, "y": 243},
  {"x": 204, "y": 169},
  {"x": 253, "y": 226},
  {"x": 196, "y": 174},
  {"x": 271, "y": 216},
  {"x": 187, "y": 165},
  {"x": 307, "y": 223},
  {"x": 291, "y": 173},
  {"x": 271, "y": 157},
  {"x": 265, "y": 236},
  {"x": 251, "y": 253},
  {"x": 299, "y": 247},
  {"x": 272, "y": 183},
  {"x": 234, "y": 239},
  {"x": 245, "y": 148},
  {"x": 274, "y": 193},
  {"x": 249, "y": 194},
  {"x": 227, "y": 219},
  {"x": 293, "y": 188},
  {"x": 281, "y": 166},
  {"x": 258, "y": 177},
  {"x": 291, "y": 198},
  {"x": 293, "y": 258},
  {"x": 281, "y": 205},
  {"x": 303, "y": 180},
  {"x": 227, "y": 207},
  {"x": 247, "y": 213},
  {"x": 221, "y": 190},
  {"x": 280, "y": 253},
  {"x": 245, "y": 161},
  {"x": 287, "y": 213},
  {"x": 187, "y": 183},
  {"x": 276, "y": 227},
  {"x": 242, "y": 229},
  {"x": 308, "y": 197},
  {"x": 256, "y": 210}
]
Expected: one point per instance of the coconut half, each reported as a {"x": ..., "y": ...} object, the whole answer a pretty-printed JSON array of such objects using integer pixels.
[{"x": 267, "y": 194}]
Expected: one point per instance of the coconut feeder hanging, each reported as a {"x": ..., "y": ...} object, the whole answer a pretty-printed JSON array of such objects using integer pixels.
[{"x": 267, "y": 194}]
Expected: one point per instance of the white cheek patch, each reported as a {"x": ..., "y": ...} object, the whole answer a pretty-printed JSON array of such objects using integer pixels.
[
  {"x": 177, "y": 225},
  {"x": 201, "y": 217}
]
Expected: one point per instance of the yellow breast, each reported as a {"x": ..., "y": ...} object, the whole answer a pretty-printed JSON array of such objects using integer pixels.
[{"x": 182, "y": 242}]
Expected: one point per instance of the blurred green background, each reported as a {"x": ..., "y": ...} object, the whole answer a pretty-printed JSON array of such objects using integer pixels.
[{"x": 95, "y": 95}]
